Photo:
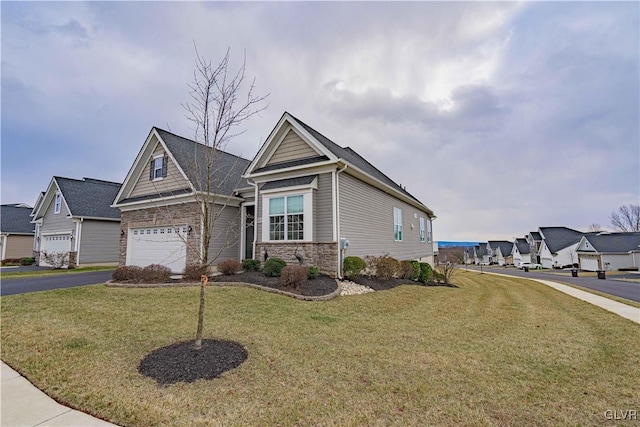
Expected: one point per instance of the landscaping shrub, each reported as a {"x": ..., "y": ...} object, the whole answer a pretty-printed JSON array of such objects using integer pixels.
[
  {"x": 406, "y": 270},
  {"x": 416, "y": 270},
  {"x": 293, "y": 276},
  {"x": 127, "y": 273},
  {"x": 250, "y": 264},
  {"x": 56, "y": 259},
  {"x": 229, "y": 267},
  {"x": 156, "y": 273},
  {"x": 387, "y": 267},
  {"x": 353, "y": 266},
  {"x": 370, "y": 265},
  {"x": 192, "y": 272},
  {"x": 273, "y": 266},
  {"x": 438, "y": 277},
  {"x": 27, "y": 261},
  {"x": 425, "y": 272},
  {"x": 313, "y": 272},
  {"x": 11, "y": 261}
]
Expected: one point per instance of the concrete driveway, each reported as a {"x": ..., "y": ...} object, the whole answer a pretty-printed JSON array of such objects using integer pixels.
[{"x": 612, "y": 285}]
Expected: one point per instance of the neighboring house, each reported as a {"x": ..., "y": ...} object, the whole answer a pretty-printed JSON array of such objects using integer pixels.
[
  {"x": 501, "y": 251},
  {"x": 558, "y": 247},
  {"x": 520, "y": 251},
  {"x": 609, "y": 251},
  {"x": 16, "y": 231},
  {"x": 74, "y": 216},
  {"x": 161, "y": 204},
  {"x": 317, "y": 200},
  {"x": 535, "y": 241},
  {"x": 480, "y": 254}
]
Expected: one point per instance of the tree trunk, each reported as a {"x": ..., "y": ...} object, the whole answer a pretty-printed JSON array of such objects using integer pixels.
[{"x": 198, "y": 343}]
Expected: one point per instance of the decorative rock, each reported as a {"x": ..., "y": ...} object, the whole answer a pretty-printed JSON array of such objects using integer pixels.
[{"x": 351, "y": 288}]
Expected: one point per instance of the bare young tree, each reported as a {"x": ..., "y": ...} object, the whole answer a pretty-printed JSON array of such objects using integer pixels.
[
  {"x": 220, "y": 103},
  {"x": 626, "y": 218},
  {"x": 595, "y": 227}
]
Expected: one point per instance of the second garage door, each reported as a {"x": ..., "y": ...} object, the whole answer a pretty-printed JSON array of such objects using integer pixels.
[
  {"x": 158, "y": 245},
  {"x": 589, "y": 263},
  {"x": 51, "y": 244}
]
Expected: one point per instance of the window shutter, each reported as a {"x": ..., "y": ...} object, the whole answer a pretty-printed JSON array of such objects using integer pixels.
[
  {"x": 151, "y": 170},
  {"x": 165, "y": 163}
]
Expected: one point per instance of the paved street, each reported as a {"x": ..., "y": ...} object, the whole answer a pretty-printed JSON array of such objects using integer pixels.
[
  {"x": 612, "y": 285},
  {"x": 12, "y": 286}
]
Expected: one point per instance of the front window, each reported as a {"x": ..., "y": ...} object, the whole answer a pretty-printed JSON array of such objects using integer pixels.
[
  {"x": 423, "y": 230},
  {"x": 58, "y": 203},
  {"x": 286, "y": 218},
  {"x": 157, "y": 167},
  {"x": 397, "y": 224}
]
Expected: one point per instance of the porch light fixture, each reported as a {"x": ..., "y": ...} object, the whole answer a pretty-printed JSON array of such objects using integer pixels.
[
  {"x": 122, "y": 232},
  {"x": 190, "y": 229}
]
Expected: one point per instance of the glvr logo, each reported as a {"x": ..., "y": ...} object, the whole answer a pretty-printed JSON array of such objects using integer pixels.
[{"x": 628, "y": 415}]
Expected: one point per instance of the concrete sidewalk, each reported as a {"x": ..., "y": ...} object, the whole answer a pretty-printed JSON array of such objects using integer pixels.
[{"x": 22, "y": 404}]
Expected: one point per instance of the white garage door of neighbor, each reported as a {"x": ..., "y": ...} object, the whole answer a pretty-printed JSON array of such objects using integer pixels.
[
  {"x": 589, "y": 264},
  {"x": 54, "y": 243},
  {"x": 158, "y": 245}
]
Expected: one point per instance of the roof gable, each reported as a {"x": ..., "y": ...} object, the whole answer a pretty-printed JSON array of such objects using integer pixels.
[
  {"x": 612, "y": 242},
  {"x": 189, "y": 158},
  {"x": 86, "y": 197},
  {"x": 557, "y": 238}
]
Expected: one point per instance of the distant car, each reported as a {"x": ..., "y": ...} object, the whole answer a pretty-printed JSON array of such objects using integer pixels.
[
  {"x": 530, "y": 265},
  {"x": 484, "y": 263}
]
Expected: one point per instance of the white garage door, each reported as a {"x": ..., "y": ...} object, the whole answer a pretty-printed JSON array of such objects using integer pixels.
[
  {"x": 54, "y": 244},
  {"x": 158, "y": 245},
  {"x": 589, "y": 263}
]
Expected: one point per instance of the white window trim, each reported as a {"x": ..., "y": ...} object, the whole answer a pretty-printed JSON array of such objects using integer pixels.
[
  {"x": 156, "y": 157},
  {"x": 429, "y": 231},
  {"x": 423, "y": 231},
  {"x": 57, "y": 203},
  {"x": 397, "y": 214},
  {"x": 307, "y": 212}
]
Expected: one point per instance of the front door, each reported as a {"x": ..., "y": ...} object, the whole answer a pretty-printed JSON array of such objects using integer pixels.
[{"x": 249, "y": 221}]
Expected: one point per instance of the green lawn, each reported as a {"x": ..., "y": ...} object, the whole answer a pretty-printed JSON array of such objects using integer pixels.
[{"x": 495, "y": 351}]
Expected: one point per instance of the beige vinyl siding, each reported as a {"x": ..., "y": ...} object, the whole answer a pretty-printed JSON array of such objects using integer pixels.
[
  {"x": 323, "y": 210},
  {"x": 99, "y": 241},
  {"x": 225, "y": 236},
  {"x": 292, "y": 148},
  {"x": 173, "y": 181},
  {"x": 366, "y": 220},
  {"x": 53, "y": 222},
  {"x": 19, "y": 246}
]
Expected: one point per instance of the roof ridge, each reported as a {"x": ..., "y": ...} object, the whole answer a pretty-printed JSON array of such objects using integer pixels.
[{"x": 200, "y": 143}]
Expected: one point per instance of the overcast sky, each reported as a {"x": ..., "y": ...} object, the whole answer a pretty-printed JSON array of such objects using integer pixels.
[{"x": 500, "y": 117}]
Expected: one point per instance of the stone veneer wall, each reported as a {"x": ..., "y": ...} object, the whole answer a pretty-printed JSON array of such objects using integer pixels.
[
  {"x": 73, "y": 259},
  {"x": 322, "y": 255},
  {"x": 185, "y": 213}
]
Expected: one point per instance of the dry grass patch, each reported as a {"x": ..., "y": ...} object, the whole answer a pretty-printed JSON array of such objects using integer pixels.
[{"x": 496, "y": 351}]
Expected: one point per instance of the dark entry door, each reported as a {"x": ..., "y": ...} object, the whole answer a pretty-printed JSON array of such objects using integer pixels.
[{"x": 249, "y": 231}]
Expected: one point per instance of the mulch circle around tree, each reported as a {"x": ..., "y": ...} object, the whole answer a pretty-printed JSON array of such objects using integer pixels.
[
  {"x": 321, "y": 285},
  {"x": 182, "y": 363}
]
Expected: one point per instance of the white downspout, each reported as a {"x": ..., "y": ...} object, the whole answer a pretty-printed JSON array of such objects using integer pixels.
[
  {"x": 337, "y": 213},
  {"x": 255, "y": 217},
  {"x": 77, "y": 240}
]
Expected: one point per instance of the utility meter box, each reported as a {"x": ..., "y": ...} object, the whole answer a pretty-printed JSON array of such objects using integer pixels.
[{"x": 344, "y": 244}]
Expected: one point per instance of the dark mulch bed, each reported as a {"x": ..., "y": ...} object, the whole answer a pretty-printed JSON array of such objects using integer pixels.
[
  {"x": 322, "y": 285},
  {"x": 182, "y": 363},
  {"x": 382, "y": 285}
]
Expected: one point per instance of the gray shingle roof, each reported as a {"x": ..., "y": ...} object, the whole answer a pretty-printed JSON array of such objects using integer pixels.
[
  {"x": 292, "y": 163},
  {"x": 615, "y": 242},
  {"x": 291, "y": 182},
  {"x": 557, "y": 238},
  {"x": 536, "y": 236},
  {"x": 523, "y": 246},
  {"x": 481, "y": 249},
  {"x": 89, "y": 197},
  {"x": 354, "y": 158},
  {"x": 192, "y": 157},
  {"x": 15, "y": 219},
  {"x": 504, "y": 245}
]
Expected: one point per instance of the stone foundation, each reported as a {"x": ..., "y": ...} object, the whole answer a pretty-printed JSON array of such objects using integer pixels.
[
  {"x": 73, "y": 259},
  {"x": 322, "y": 255}
]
